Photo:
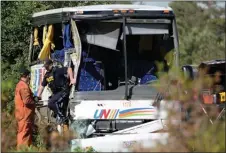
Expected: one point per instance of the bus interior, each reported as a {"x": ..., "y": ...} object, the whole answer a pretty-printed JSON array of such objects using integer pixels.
[{"x": 102, "y": 66}]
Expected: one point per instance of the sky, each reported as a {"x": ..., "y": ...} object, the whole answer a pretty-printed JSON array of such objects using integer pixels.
[{"x": 165, "y": 3}]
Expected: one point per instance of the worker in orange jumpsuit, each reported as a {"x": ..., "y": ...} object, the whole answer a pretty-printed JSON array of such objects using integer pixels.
[{"x": 24, "y": 110}]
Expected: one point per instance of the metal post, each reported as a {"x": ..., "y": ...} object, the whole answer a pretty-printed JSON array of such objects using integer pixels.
[
  {"x": 225, "y": 48},
  {"x": 31, "y": 54},
  {"x": 125, "y": 57},
  {"x": 176, "y": 42},
  {"x": 220, "y": 115}
]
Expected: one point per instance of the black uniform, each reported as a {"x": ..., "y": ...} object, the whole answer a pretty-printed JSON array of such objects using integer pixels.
[{"x": 58, "y": 82}]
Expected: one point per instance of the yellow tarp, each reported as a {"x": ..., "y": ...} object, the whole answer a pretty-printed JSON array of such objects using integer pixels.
[
  {"x": 48, "y": 43},
  {"x": 44, "y": 34},
  {"x": 36, "y": 43}
]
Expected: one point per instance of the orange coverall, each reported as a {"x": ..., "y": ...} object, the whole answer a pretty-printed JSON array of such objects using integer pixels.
[{"x": 24, "y": 113}]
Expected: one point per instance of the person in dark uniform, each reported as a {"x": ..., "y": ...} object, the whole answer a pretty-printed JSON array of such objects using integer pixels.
[{"x": 59, "y": 81}]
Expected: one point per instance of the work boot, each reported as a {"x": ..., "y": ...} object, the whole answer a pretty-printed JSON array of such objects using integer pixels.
[
  {"x": 61, "y": 120},
  {"x": 58, "y": 119}
]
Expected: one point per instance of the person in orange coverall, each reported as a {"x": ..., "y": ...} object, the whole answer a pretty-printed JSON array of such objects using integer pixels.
[{"x": 24, "y": 110}]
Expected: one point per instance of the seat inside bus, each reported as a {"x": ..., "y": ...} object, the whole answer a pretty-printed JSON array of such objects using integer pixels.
[{"x": 91, "y": 76}]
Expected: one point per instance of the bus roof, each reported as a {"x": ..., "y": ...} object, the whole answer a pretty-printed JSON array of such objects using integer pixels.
[
  {"x": 214, "y": 62},
  {"x": 102, "y": 8}
]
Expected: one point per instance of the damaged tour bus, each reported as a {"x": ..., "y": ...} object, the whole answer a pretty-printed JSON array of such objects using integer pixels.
[{"x": 114, "y": 51}]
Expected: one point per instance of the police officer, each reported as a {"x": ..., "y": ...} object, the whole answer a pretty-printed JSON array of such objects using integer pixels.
[{"x": 59, "y": 81}]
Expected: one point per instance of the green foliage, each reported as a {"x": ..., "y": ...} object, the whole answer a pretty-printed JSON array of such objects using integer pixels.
[
  {"x": 8, "y": 132},
  {"x": 10, "y": 77},
  {"x": 38, "y": 140},
  {"x": 201, "y": 32},
  {"x": 211, "y": 139},
  {"x": 29, "y": 149},
  {"x": 195, "y": 133},
  {"x": 89, "y": 149},
  {"x": 7, "y": 96}
]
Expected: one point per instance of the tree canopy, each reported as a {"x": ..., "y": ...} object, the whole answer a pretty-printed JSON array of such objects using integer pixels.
[{"x": 201, "y": 31}]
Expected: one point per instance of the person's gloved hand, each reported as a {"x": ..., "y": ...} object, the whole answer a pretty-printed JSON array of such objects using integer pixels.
[{"x": 36, "y": 99}]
